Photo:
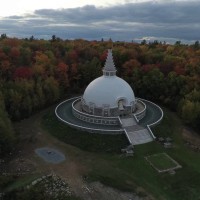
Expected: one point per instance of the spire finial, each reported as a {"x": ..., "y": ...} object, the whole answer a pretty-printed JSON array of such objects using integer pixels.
[{"x": 109, "y": 67}]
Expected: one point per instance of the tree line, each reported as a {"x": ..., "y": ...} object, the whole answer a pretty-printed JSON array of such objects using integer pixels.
[{"x": 36, "y": 73}]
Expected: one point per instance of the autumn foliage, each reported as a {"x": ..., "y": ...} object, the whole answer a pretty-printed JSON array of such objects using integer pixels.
[
  {"x": 22, "y": 73},
  {"x": 36, "y": 73}
]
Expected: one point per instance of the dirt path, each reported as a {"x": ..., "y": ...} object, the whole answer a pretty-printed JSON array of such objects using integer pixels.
[
  {"x": 71, "y": 170},
  {"x": 191, "y": 136},
  {"x": 192, "y": 139}
]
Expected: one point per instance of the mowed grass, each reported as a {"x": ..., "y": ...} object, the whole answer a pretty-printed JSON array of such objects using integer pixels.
[
  {"x": 135, "y": 173},
  {"x": 161, "y": 161},
  {"x": 84, "y": 140}
]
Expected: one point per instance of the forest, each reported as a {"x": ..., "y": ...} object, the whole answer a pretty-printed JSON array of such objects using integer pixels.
[{"x": 36, "y": 73}]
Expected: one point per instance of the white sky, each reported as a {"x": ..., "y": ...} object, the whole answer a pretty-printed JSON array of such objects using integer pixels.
[
  {"x": 15, "y": 7},
  {"x": 18, "y": 7}
]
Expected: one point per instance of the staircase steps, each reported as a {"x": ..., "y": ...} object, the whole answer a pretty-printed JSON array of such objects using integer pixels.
[{"x": 135, "y": 133}]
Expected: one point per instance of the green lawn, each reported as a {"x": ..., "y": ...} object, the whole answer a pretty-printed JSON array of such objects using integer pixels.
[
  {"x": 86, "y": 141},
  {"x": 161, "y": 161},
  {"x": 130, "y": 173}
]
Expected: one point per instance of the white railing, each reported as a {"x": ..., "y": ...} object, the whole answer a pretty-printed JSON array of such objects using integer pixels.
[
  {"x": 142, "y": 111},
  {"x": 136, "y": 119},
  {"x": 150, "y": 131},
  {"x": 126, "y": 133},
  {"x": 120, "y": 121}
]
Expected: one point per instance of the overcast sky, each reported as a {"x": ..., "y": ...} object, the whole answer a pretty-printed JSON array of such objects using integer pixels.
[{"x": 124, "y": 20}]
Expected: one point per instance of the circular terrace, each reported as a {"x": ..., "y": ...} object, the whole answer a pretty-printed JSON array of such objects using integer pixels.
[{"x": 64, "y": 112}]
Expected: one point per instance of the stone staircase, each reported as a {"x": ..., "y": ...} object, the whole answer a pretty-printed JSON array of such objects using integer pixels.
[{"x": 136, "y": 134}]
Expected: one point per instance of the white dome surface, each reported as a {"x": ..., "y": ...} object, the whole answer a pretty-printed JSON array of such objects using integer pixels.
[{"x": 108, "y": 90}]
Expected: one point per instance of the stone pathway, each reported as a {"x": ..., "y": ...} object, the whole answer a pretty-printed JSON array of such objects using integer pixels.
[
  {"x": 135, "y": 133},
  {"x": 139, "y": 136}
]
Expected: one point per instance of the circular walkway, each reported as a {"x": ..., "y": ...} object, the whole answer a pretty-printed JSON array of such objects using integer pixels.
[
  {"x": 64, "y": 113},
  {"x": 153, "y": 114}
]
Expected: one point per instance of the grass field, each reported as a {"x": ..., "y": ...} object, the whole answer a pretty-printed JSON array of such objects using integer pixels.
[
  {"x": 135, "y": 173},
  {"x": 84, "y": 140},
  {"x": 162, "y": 162}
]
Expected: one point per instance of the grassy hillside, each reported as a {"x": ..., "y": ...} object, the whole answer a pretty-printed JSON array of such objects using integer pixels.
[{"x": 134, "y": 173}]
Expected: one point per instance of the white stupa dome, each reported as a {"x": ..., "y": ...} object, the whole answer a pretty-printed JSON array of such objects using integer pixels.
[{"x": 108, "y": 89}]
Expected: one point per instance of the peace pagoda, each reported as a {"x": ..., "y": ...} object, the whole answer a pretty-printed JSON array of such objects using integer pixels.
[{"x": 109, "y": 106}]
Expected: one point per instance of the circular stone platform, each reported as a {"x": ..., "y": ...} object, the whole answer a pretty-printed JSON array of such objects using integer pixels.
[{"x": 64, "y": 112}]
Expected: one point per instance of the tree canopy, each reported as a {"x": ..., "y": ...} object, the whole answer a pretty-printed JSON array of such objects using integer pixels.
[{"x": 36, "y": 73}]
